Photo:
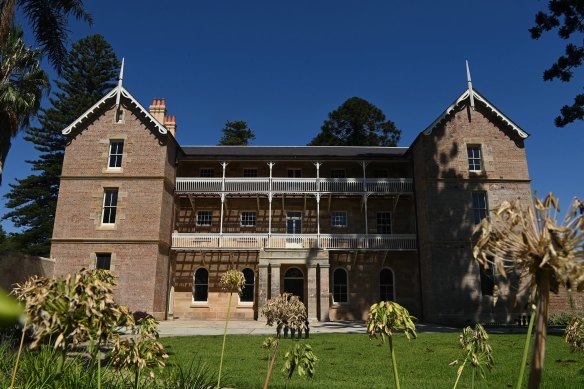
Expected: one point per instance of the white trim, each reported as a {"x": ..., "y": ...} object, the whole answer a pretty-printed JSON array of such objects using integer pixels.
[
  {"x": 392, "y": 282},
  {"x": 112, "y": 94},
  {"x": 333, "y": 285},
  {"x": 483, "y": 100}
]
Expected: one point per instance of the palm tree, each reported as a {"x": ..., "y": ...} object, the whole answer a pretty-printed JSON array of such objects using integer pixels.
[
  {"x": 547, "y": 253},
  {"x": 22, "y": 85},
  {"x": 48, "y": 19}
]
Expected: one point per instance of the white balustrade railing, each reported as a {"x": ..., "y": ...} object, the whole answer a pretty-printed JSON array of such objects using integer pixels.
[
  {"x": 292, "y": 185},
  {"x": 302, "y": 241}
]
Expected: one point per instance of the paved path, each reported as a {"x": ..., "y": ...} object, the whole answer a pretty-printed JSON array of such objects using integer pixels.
[{"x": 252, "y": 327}]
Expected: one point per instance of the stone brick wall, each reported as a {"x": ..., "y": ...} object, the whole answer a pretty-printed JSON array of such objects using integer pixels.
[
  {"x": 15, "y": 268},
  {"x": 140, "y": 239},
  {"x": 443, "y": 190}
]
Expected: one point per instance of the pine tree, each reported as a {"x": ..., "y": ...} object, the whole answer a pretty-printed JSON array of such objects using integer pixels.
[
  {"x": 236, "y": 134},
  {"x": 357, "y": 122},
  {"x": 89, "y": 72}
]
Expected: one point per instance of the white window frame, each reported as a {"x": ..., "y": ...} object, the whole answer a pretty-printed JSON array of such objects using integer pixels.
[
  {"x": 472, "y": 159},
  {"x": 109, "y": 206},
  {"x": 119, "y": 156},
  {"x": 392, "y": 281},
  {"x": 255, "y": 219},
  {"x": 333, "y": 225},
  {"x": 210, "y": 218},
  {"x": 347, "y": 286}
]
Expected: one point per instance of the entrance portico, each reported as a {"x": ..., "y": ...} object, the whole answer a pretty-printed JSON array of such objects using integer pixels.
[{"x": 304, "y": 273}]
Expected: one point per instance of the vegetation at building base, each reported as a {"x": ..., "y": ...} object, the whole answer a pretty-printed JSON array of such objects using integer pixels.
[
  {"x": 357, "y": 122},
  {"x": 33, "y": 200},
  {"x": 236, "y": 133},
  {"x": 568, "y": 17},
  {"x": 540, "y": 250},
  {"x": 346, "y": 360}
]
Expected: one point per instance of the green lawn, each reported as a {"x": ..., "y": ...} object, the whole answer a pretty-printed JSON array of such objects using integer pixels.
[{"x": 354, "y": 361}]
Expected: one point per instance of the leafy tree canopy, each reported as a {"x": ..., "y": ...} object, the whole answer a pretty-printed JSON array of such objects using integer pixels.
[
  {"x": 357, "y": 122},
  {"x": 236, "y": 134},
  {"x": 568, "y": 17},
  {"x": 90, "y": 70}
]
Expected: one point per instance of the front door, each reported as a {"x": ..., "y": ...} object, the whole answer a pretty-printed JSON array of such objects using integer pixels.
[{"x": 294, "y": 282}]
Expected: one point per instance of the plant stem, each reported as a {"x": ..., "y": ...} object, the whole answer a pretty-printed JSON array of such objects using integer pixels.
[
  {"x": 474, "y": 370},
  {"x": 396, "y": 377},
  {"x": 543, "y": 283},
  {"x": 136, "y": 377},
  {"x": 459, "y": 374},
  {"x": 271, "y": 366},
  {"x": 224, "y": 338},
  {"x": 17, "y": 359},
  {"x": 526, "y": 349},
  {"x": 98, "y": 368}
]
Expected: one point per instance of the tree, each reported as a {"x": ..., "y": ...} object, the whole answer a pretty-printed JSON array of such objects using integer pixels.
[
  {"x": 568, "y": 17},
  {"x": 22, "y": 85},
  {"x": 48, "y": 19},
  {"x": 89, "y": 72},
  {"x": 236, "y": 134},
  {"x": 357, "y": 123}
]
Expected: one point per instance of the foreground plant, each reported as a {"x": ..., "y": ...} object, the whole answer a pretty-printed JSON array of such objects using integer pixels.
[
  {"x": 301, "y": 359},
  {"x": 385, "y": 318},
  {"x": 282, "y": 311},
  {"x": 476, "y": 351},
  {"x": 574, "y": 334},
  {"x": 231, "y": 281},
  {"x": 536, "y": 247}
]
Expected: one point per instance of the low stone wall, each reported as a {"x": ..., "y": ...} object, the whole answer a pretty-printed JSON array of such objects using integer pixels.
[{"x": 16, "y": 268}]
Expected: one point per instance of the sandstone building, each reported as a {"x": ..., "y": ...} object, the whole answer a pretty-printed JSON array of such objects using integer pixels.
[{"x": 341, "y": 227}]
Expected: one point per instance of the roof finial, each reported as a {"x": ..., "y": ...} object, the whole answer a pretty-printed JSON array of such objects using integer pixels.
[
  {"x": 470, "y": 92},
  {"x": 120, "y": 79}
]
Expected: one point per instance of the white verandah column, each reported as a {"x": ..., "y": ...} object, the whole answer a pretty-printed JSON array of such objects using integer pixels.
[
  {"x": 270, "y": 197},
  {"x": 224, "y": 164}
]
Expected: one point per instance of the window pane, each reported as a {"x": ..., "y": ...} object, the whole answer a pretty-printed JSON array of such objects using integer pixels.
[
  {"x": 201, "y": 285},
  {"x": 250, "y": 172},
  {"x": 103, "y": 261},
  {"x": 340, "y": 287},
  {"x": 207, "y": 172},
  {"x": 116, "y": 153},
  {"x": 248, "y": 290},
  {"x": 339, "y": 219},
  {"x": 338, "y": 173},
  {"x": 386, "y": 285},
  {"x": 248, "y": 219},
  {"x": 383, "y": 223},
  {"x": 110, "y": 203},
  {"x": 479, "y": 205},
  {"x": 204, "y": 218},
  {"x": 474, "y": 158}
]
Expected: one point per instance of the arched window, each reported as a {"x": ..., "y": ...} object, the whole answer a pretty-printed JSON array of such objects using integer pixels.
[
  {"x": 248, "y": 289},
  {"x": 201, "y": 285},
  {"x": 340, "y": 286},
  {"x": 386, "y": 285}
]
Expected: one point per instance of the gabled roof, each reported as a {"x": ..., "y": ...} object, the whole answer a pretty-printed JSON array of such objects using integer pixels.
[
  {"x": 484, "y": 102},
  {"x": 112, "y": 96}
]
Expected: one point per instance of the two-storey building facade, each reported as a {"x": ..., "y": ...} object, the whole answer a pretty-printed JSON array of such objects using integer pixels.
[{"x": 340, "y": 227}]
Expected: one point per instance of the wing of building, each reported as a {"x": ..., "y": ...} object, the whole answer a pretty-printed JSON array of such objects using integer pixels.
[{"x": 341, "y": 227}]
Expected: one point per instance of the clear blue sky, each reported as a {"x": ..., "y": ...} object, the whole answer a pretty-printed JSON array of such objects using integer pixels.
[{"x": 282, "y": 66}]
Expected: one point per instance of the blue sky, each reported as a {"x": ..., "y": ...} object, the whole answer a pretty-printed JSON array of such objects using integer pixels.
[{"x": 282, "y": 66}]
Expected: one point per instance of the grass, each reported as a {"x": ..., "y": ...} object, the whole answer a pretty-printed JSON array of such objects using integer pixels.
[{"x": 350, "y": 360}]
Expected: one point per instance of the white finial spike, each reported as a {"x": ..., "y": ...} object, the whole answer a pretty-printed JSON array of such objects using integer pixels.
[
  {"x": 120, "y": 79},
  {"x": 470, "y": 92}
]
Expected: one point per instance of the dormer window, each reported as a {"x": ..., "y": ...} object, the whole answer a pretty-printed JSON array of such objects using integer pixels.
[{"x": 474, "y": 158}]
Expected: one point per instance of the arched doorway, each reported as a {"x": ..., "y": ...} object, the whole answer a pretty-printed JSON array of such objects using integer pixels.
[{"x": 294, "y": 282}]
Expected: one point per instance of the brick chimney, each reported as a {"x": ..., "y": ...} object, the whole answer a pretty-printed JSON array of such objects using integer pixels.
[
  {"x": 158, "y": 109},
  {"x": 170, "y": 124}
]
